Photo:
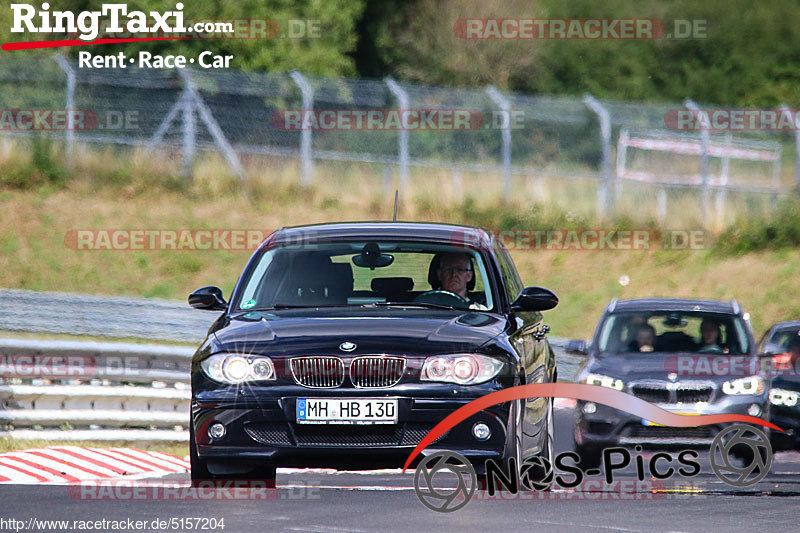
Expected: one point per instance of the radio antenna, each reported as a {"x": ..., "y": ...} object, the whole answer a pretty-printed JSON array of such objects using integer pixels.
[{"x": 394, "y": 218}]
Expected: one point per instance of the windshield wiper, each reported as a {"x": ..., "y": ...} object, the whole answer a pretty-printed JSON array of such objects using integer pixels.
[
  {"x": 423, "y": 305},
  {"x": 289, "y": 306}
]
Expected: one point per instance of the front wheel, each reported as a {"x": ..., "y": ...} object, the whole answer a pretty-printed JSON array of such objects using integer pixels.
[{"x": 591, "y": 456}]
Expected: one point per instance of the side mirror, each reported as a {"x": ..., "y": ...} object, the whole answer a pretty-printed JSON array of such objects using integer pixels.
[
  {"x": 772, "y": 349},
  {"x": 208, "y": 298},
  {"x": 577, "y": 346},
  {"x": 535, "y": 299}
]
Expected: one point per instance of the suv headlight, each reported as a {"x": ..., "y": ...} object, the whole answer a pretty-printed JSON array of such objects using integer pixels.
[
  {"x": 462, "y": 369},
  {"x": 783, "y": 397},
  {"x": 235, "y": 368},
  {"x": 748, "y": 385},
  {"x": 605, "y": 381}
]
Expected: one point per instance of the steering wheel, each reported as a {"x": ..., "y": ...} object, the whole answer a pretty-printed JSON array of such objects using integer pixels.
[
  {"x": 711, "y": 348},
  {"x": 442, "y": 297}
]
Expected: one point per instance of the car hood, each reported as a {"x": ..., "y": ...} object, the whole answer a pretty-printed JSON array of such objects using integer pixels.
[
  {"x": 389, "y": 331},
  {"x": 674, "y": 366}
]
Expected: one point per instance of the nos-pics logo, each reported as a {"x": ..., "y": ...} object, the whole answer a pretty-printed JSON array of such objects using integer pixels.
[{"x": 446, "y": 481}]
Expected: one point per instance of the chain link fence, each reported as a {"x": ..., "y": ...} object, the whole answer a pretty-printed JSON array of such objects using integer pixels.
[{"x": 564, "y": 150}]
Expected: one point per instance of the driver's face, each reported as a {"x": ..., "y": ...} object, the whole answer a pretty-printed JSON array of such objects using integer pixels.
[
  {"x": 455, "y": 272},
  {"x": 709, "y": 333}
]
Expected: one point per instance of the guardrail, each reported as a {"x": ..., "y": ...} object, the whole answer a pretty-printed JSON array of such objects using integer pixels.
[
  {"x": 75, "y": 390},
  {"x": 78, "y": 390}
]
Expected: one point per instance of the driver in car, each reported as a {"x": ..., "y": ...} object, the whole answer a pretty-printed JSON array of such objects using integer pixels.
[
  {"x": 710, "y": 337},
  {"x": 454, "y": 273}
]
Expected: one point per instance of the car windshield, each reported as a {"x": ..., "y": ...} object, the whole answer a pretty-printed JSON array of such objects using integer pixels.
[
  {"x": 684, "y": 331},
  {"x": 781, "y": 338},
  {"x": 358, "y": 273}
]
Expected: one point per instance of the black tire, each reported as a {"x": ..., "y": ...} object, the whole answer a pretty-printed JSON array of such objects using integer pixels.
[
  {"x": 744, "y": 453},
  {"x": 591, "y": 456}
]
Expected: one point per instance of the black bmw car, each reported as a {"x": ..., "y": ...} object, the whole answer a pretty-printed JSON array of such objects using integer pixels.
[
  {"x": 692, "y": 357},
  {"x": 342, "y": 345}
]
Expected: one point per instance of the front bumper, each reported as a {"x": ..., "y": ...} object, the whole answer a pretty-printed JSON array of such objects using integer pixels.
[
  {"x": 264, "y": 429},
  {"x": 608, "y": 426}
]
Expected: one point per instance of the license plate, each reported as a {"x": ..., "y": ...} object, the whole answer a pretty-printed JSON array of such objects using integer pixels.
[{"x": 346, "y": 411}]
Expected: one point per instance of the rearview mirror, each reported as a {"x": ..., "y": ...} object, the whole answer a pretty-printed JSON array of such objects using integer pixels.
[
  {"x": 535, "y": 299},
  {"x": 208, "y": 299},
  {"x": 577, "y": 346}
]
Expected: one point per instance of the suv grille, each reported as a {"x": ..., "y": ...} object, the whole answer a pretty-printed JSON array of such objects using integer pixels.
[
  {"x": 692, "y": 394},
  {"x": 673, "y": 393},
  {"x": 651, "y": 393},
  {"x": 318, "y": 372},
  {"x": 376, "y": 372}
]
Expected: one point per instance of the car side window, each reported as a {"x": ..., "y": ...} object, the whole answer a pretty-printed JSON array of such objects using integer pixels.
[{"x": 512, "y": 282}]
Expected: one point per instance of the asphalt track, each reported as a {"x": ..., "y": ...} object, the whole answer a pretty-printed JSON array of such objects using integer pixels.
[{"x": 336, "y": 502}]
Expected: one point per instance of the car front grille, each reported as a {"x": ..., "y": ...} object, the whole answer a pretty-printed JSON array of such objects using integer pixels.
[
  {"x": 269, "y": 434},
  {"x": 376, "y": 372},
  {"x": 651, "y": 393},
  {"x": 693, "y": 393},
  {"x": 336, "y": 435},
  {"x": 673, "y": 392},
  {"x": 318, "y": 372}
]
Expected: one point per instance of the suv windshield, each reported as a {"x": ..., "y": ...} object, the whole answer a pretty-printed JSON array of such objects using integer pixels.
[
  {"x": 668, "y": 331},
  {"x": 368, "y": 273}
]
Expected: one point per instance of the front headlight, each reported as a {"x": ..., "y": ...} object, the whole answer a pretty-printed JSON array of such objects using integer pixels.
[
  {"x": 462, "y": 369},
  {"x": 235, "y": 368},
  {"x": 605, "y": 381},
  {"x": 783, "y": 397},
  {"x": 748, "y": 385}
]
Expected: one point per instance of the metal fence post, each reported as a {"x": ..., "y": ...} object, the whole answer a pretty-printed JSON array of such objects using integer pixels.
[
  {"x": 402, "y": 140},
  {"x": 306, "y": 163},
  {"x": 704, "y": 142},
  {"x": 505, "y": 106},
  {"x": 622, "y": 154},
  {"x": 194, "y": 102},
  {"x": 603, "y": 196},
  {"x": 189, "y": 134},
  {"x": 723, "y": 181},
  {"x": 70, "y": 106},
  {"x": 788, "y": 114}
]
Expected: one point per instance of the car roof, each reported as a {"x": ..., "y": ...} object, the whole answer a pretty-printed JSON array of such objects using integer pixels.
[
  {"x": 674, "y": 304},
  {"x": 423, "y": 231},
  {"x": 789, "y": 324}
]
